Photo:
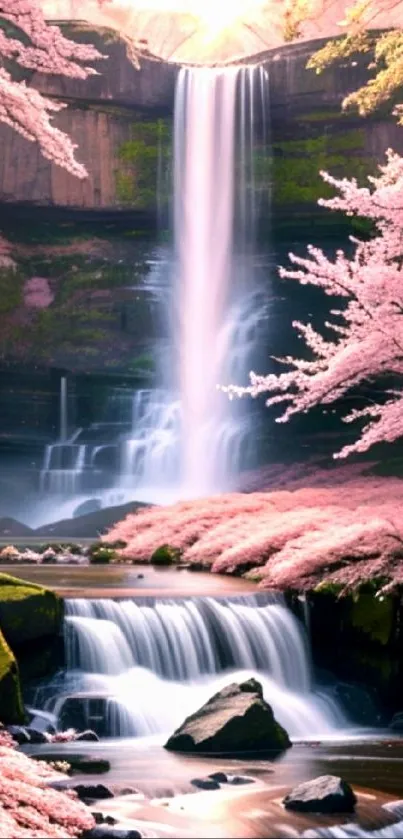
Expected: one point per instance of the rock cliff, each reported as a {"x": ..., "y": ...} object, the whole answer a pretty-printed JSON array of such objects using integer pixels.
[{"x": 121, "y": 121}]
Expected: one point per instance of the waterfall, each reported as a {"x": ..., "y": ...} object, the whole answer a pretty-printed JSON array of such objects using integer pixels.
[
  {"x": 204, "y": 170},
  {"x": 63, "y": 409},
  {"x": 184, "y": 437},
  {"x": 148, "y": 663}
]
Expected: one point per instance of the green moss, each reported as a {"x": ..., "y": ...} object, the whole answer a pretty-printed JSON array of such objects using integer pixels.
[
  {"x": 136, "y": 175},
  {"x": 294, "y": 170},
  {"x": 10, "y": 290},
  {"x": 11, "y": 706},
  {"x": 373, "y": 616},
  {"x": 27, "y": 611},
  {"x": 328, "y": 587}
]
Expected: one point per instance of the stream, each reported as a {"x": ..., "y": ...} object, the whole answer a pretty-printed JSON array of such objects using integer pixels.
[{"x": 139, "y": 660}]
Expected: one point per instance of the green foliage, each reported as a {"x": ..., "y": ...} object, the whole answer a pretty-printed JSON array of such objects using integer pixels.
[
  {"x": 101, "y": 554},
  {"x": 373, "y": 616},
  {"x": 10, "y": 290},
  {"x": 165, "y": 555},
  {"x": 136, "y": 177},
  {"x": 296, "y": 165}
]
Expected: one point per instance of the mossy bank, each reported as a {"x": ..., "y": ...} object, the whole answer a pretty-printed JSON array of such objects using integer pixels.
[{"x": 30, "y": 623}]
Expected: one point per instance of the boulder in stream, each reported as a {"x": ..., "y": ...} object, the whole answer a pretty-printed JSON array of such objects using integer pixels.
[
  {"x": 237, "y": 719},
  {"x": 325, "y": 794}
]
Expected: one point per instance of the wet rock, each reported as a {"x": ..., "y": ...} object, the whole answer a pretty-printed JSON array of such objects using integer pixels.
[
  {"x": 325, "y": 794},
  {"x": 95, "y": 792},
  {"x": 89, "y": 765},
  {"x": 127, "y": 791},
  {"x": 239, "y": 780},
  {"x": 101, "y": 819},
  {"x": 396, "y": 723},
  {"x": 205, "y": 783},
  {"x": 87, "y": 736},
  {"x": 84, "y": 764},
  {"x": 220, "y": 777},
  {"x": 106, "y": 832},
  {"x": 237, "y": 719},
  {"x": 19, "y": 733},
  {"x": 36, "y": 737}
]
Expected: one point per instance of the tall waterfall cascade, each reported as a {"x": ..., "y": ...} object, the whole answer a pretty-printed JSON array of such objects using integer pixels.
[
  {"x": 139, "y": 667},
  {"x": 182, "y": 437}
]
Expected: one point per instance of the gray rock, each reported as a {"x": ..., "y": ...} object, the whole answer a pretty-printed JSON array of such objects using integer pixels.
[
  {"x": 325, "y": 794},
  {"x": 19, "y": 733},
  {"x": 87, "y": 736},
  {"x": 36, "y": 737},
  {"x": 220, "y": 777},
  {"x": 101, "y": 819},
  {"x": 96, "y": 792},
  {"x": 237, "y": 719},
  {"x": 205, "y": 783},
  {"x": 238, "y": 780}
]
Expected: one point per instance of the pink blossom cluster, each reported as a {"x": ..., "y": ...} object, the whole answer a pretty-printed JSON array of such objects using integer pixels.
[
  {"x": 48, "y": 51},
  {"x": 287, "y": 538},
  {"x": 367, "y": 342},
  {"x": 28, "y": 807}
]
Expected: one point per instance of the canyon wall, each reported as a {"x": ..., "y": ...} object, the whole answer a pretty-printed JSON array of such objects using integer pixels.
[{"x": 121, "y": 121}]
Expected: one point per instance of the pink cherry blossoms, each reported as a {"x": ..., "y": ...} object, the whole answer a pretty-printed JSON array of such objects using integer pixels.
[
  {"x": 28, "y": 807},
  {"x": 368, "y": 331},
  {"x": 346, "y": 534},
  {"x": 47, "y": 51}
]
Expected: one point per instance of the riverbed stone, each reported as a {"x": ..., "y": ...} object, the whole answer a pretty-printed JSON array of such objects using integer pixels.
[
  {"x": 11, "y": 707},
  {"x": 205, "y": 783},
  {"x": 325, "y": 794},
  {"x": 96, "y": 792},
  {"x": 237, "y": 719}
]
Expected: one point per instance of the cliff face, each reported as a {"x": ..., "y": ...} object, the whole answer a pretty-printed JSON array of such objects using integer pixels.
[{"x": 121, "y": 121}]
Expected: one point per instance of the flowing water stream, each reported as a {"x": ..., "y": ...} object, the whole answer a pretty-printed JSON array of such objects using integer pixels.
[{"x": 138, "y": 667}]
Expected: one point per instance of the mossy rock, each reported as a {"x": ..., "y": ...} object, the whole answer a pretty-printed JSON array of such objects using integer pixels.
[
  {"x": 11, "y": 707},
  {"x": 373, "y": 616},
  {"x": 28, "y": 611},
  {"x": 165, "y": 555}
]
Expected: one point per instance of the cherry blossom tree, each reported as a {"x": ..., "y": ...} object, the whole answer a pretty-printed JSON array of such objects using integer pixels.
[
  {"x": 39, "y": 46},
  {"x": 367, "y": 334}
]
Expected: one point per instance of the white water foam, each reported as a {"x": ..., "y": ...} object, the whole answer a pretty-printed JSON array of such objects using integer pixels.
[{"x": 153, "y": 662}]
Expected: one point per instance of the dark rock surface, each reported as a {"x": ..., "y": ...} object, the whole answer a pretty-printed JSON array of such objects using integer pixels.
[
  {"x": 237, "y": 719},
  {"x": 106, "y": 832},
  {"x": 325, "y": 794},
  {"x": 205, "y": 783}
]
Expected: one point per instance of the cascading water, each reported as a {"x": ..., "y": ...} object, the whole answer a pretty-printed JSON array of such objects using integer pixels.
[
  {"x": 123, "y": 657},
  {"x": 185, "y": 438}
]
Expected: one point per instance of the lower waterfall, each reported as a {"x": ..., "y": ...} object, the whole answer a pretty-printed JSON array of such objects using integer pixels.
[{"x": 139, "y": 667}]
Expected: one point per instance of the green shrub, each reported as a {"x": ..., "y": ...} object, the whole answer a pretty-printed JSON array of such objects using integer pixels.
[{"x": 165, "y": 555}]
